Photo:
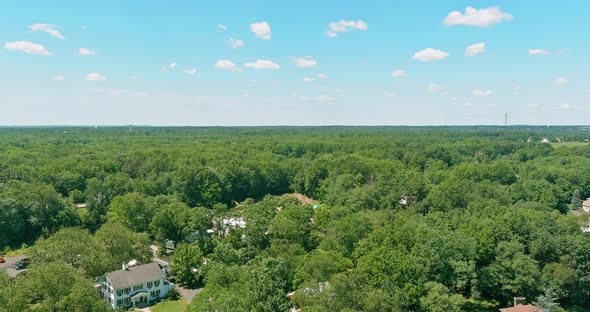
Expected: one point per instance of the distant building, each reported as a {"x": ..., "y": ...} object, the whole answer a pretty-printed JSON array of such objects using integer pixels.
[
  {"x": 586, "y": 205},
  {"x": 134, "y": 286},
  {"x": 545, "y": 140},
  {"x": 521, "y": 306}
]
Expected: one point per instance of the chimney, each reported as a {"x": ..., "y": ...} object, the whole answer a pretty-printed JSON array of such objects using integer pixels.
[{"x": 519, "y": 301}]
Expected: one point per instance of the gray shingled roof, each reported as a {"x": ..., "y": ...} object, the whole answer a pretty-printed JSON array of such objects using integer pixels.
[{"x": 135, "y": 275}]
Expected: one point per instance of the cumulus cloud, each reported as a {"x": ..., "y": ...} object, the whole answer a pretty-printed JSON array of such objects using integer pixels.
[
  {"x": 48, "y": 28},
  {"x": 261, "y": 30},
  {"x": 322, "y": 76},
  {"x": 235, "y": 43},
  {"x": 398, "y": 73},
  {"x": 227, "y": 65},
  {"x": 389, "y": 94},
  {"x": 305, "y": 62},
  {"x": 84, "y": 51},
  {"x": 27, "y": 47},
  {"x": 95, "y": 77},
  {"x": 308, "y": 79},
  {"x": 482, "y": 92},
  {"x": 170, "y": 66},
  {"x": 344, "y": 26},
  {"x": 433, "y": 87},
  {"x": 539, "y": 52},
  {"x": 191, "y": 71},
  {"x": 221, "y": 27},
  {"x": 560, "y": 81},
  {"x": 58, "y": 78},
  {"x": 430, "y": 54},
  {"x": 479, "y": 18},
  {"x": 475, "y": 49},
  {"x": 325, "y": 98},
  {"x": 262, "y": 64}
]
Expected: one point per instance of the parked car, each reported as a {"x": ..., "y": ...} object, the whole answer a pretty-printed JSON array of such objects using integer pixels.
[
  {"x": 2, "y": 260},
  {"x": 21, "y": 264}
]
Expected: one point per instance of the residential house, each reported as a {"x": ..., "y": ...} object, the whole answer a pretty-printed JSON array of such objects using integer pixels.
[
  {"x": 134, "y": 286},
  {"x": 586, "y": 205},
  {"x": 521, "y": 306}
]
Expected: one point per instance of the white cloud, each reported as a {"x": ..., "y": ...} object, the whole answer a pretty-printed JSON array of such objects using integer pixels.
[
  {"x": 516, "y": 88},
  {"x": 84, "y": 51},
  {"x": 475, "y": 49},
  {"x": 343, "y": 26},
  {"x": 244, "y": 95},
  {"x": 95, "y": 77},
  {"x": 430, "y": 54},
  {"x": 221, "y": 27},
  {"x": 467, "y": 104},
  {"x": 474, "y": 17},
  {"x": 325, "y": 98},
  {"x": 48, "y": 28},
  {"x": 252, "y": 80},
  {"x": 560, "y": 81},
  {"x": 482, "y": 92},
  {"x": 27, "y": 47},
  {"x": 308, "y": 79},
  {"x": 227, "y": 65},
  {"x": 567, "y": 106},
  {"x": 235, "y": 43},
  {"x": 261, "y": 30},
  {"x": 433, "y": 87},
  {"x": 389, "y": 94},
  {"x": 322, "y": 76},
  {"x": 398, "y": 73},
  {"x": 340, "y": 91},
  {"x": 191, "y": 71},
  {"x": 533, "y": 105},
  {"x": 263, "y": 64},
  {"x": 170, "y": 66},
  {"x": 58, "y": 78},
  {"x": 305, "y": 62},
  {"x": 539, "y": 52}
]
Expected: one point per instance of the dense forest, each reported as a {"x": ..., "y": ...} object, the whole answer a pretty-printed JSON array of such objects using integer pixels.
[{"x": 384, "y": 218}]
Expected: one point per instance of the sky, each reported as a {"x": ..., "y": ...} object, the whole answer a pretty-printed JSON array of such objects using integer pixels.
[{"x": 207, "y": 63}]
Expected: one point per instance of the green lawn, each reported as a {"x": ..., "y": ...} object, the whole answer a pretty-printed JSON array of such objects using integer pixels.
[
  {"x": 569, "y": 144},
  {"x": 170, "y": 306}
]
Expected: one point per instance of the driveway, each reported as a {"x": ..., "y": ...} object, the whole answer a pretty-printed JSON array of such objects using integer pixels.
[{"x": 7, "y": 266}]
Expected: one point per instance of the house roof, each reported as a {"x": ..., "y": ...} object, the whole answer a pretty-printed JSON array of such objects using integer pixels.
[
  {"x": 586, "y": 202},
  {"x": 135, "y": 275},
  {"x": 522, "y": 308}
]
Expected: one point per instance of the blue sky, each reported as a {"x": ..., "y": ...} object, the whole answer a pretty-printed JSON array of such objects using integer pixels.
[{"x": 294, "y": 62}]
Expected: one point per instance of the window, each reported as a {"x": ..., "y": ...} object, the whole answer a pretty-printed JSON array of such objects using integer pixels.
[
  {"x": 126, "y": 301},
  {"x": 150, "y": 284},
  {"x": 127, "y": 290},
  {"x": 157, "y": 293},
  {"x": 157, "y": 283},
  {"x": 119, "y": 292},
  {"x": 137, "y": 287},
  {"x": 119, "y": 302},
  {"x": 152, "y": 293}
]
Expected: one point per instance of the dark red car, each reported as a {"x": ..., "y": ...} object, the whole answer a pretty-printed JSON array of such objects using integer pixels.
[{"x": 2, "y": 260}]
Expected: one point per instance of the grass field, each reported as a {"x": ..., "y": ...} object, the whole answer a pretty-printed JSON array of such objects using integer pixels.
[
  {"x": 170, "y": 306},
  {"x": 569, "y": 144}
]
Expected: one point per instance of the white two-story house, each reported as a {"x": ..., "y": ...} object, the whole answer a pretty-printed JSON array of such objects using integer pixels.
[{"x": 134, "y": 286}]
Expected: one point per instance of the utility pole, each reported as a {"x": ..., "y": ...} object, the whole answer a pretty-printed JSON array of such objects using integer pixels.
[{"x": 506, "y": 121}]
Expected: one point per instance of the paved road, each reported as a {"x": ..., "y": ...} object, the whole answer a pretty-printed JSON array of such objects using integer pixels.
[{"x": 7, "y": 266}]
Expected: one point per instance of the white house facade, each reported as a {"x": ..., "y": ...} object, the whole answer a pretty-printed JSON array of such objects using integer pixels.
[{"x": 134, "y": 286}]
